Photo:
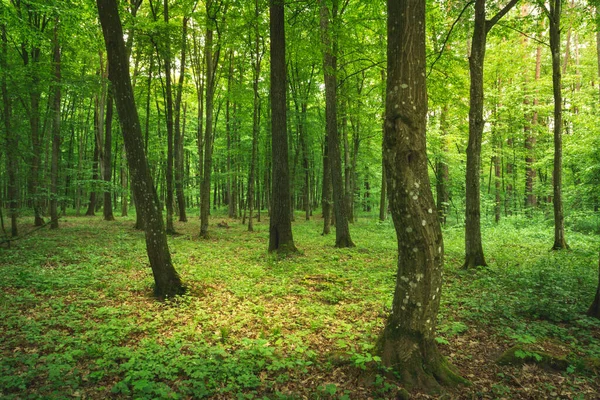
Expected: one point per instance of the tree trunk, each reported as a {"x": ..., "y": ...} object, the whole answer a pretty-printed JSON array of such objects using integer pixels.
[
  {"x": 11, "y": 139},
  {"x": 255, "y": 120},
  {"x": 169, "y": 119},
  {"x": 55, "y": 111},
  {"x": 107, "y": 170},
  {"x": 281, "y": 239},
  {"x": 167, "y": 281},
  {"x": 342, "y": 229},
  {"x": 179, "y": 135},
  {"x": 407, "y": 344},
  {"x": 473, "y": 247},
  {"x": 530, "y": 140},
  {"x": 326, "y": 190},
  {"x": 442, "y": 172},
  {"x": 208, "y": 134},
  {"x": 559, "y": 218},
  {"x": 91, "y": 210},
  {"x": 124, "y": 190}
]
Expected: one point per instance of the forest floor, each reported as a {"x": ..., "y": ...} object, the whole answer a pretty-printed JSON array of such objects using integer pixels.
[{"x": 77, "y": 317}]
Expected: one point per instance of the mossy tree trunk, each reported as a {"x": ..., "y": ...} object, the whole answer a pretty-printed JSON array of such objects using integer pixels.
[
  {"x": 407, "y": 344},
  {"x": 167, "y": 281}
]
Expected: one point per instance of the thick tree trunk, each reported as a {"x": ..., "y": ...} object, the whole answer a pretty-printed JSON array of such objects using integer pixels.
[
  {"x": 407, "y": 344},
  {"x": 167, "y": 282},
  {"x": 55, "y": 111},
  {"x": 179, "y": 135},
  {"x": 559, "y": 218},
  {"x": 342, "y": 229},
  {"x": 11, "y": 138},
  {"x": 281, "y": 238},
  {"x": 107, "y": 170}
]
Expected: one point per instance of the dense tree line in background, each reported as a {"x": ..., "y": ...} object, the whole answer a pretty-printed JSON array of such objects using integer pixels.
[{"x": 510, "y": 115}]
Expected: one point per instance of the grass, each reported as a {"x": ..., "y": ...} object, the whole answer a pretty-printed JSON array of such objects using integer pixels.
[{"x": 77, "y": 318}]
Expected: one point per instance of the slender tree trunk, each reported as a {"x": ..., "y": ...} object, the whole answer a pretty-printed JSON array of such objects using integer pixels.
[
  {"x": 342, "y": 229},
  {"x": 442, "y": 172},
  {"x": 107, "y": 170},
  {"x": 169, "y": 118},
  {"x": 208, "y": 134},
  {"x": 559, "y": 218},
  {"x": 281, "y": 238},
  {"x": 326, "y": 203},
  {"x": 179, "y": 135},
  {"x": 255, "y": 120},
  {"x": 11, "y": 138},
  {"x": 167, "y": 281},
  {"x": 407, "y": 344},
  {"x": 55, "y": 111},
  {"x": 530, "y": 140},
  {"x": 473, "y": 247},
  {"x": 91, "y": 210},
  {"x": 124, "y": 186}
]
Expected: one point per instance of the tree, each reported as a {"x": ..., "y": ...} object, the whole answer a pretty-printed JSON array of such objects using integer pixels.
[
  {"x": 55, "y": 127},
  {"x": 407, "y": 343},
  {"x": 473, "y": 247},
  {"x": 107, "y": 161},
  {"x": 212, "y": 59},
  {"x": 342, "y": 230},
  {"x": 281, "y": 238},
  {"x": 11, "y": 137},
  {"x": 167, "y": 281},
  {"x": 554, "y": 13}
]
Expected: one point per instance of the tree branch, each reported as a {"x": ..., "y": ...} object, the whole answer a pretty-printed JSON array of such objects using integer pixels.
[
  {"x": 491, "y": 22},
  {"x": 448, "y": 36}
]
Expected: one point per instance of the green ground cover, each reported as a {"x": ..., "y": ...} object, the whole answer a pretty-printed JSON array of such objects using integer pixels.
[{"x": 77, "y": 319}]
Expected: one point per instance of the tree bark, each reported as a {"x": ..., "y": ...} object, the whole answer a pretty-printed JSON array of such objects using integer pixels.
[
  {"x": 255, "y": 120},
  {"x": 473, "y": 247},
  {"x": 167, "y": 281},
  {"x": 442, "y": 172},
  {"x": 342, "y": 229},
  {"x": 55, "y": 111},
  {"x": 281, "y": 239},
  {"x": 326, "y": 204},
  {"x": 407, "y": 344}
]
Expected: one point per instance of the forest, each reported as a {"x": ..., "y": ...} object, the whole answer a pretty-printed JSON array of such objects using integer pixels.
[{"x": 320, "y": 199}]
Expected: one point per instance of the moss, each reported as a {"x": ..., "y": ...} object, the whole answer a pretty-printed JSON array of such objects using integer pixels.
[{"x": 532, "y": 354}]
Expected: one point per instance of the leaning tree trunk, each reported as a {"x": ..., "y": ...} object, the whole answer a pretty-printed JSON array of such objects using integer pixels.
[
  {"x": 281, "y": 238},
  {"x": 167, "y": 281},
  {"x": 407, "y": 344},
  {"x": 55, "y": 130},
  {"x": 342, "y": 229},
  {"x": 559, "y": 217}
]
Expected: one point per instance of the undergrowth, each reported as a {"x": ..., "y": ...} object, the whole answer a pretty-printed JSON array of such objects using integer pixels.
[{"x": 77, "y": 318}]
